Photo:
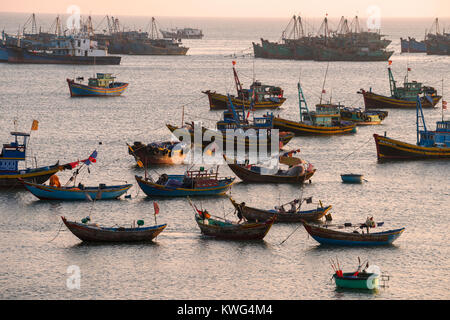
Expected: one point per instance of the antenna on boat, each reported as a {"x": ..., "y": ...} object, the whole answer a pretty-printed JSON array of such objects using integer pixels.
[{"x": 323, "y": 85}]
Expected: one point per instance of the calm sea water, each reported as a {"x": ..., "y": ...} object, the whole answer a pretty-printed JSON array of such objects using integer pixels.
[{"x": 182, "y": 264}]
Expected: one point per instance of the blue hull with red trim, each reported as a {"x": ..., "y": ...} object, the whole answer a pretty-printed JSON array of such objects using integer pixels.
[{"x": 81, "y": 90}]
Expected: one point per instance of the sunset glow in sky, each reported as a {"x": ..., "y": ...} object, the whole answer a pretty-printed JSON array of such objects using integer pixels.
[{"x": 235, "y": 8}]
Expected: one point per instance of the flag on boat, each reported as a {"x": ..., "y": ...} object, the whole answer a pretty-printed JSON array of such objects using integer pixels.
[
  {"x": 74, "y": 164},
  {"x": 309, "y": 200},
  {"x": 444, "y": 105},
  {"x": 91, "y": 159},
  {"x": 140, "y": 164},
  {"x": 156, "y": 207},
  {"x": 409, "y": 69},
  {"x": 35, "y": 125},
  {"x": 390, "y": 62}
]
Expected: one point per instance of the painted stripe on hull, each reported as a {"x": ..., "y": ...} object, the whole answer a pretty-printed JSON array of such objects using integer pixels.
[
  {"x": 79, "y": 90},
  {"x": 219, "y": 101},
  {"x": 388, "y": 148},
  {"x": 303, "y": 129},
  {"x": 372, "y": 100}
]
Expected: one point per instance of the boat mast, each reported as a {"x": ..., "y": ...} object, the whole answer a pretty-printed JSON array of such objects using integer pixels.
[
  {"x": 236, "y": 80},
  {"x": 392, "y": 84},
  {"x": 323, "y": 85},
  {"x": 302, "y": 103},
  {"x": 420, "y": 121}
]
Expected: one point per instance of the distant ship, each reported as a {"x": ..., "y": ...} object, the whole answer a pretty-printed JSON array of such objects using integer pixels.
[
  {"x": 347, "y": 43},
  {"x": 119, "y": 41},
  {"x": 185, "y": 33},
  {"x": 413, "y": 46},
  {"x": 76, "y": 49}
]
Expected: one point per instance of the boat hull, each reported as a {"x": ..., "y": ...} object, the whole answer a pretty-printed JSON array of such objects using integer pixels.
[
  {"x": 375, "y": 101},
  {"x": 3, "y": 53},
  {"x": 44, "y": 192},
  {"x": 245, "y": 231},
  {"x": 219, "y": 101},
  {"x": 39, "y": 175},
  {"x": 327, "y": 236},
  {"x": 390, "y": 149},
  {"x": 247, "y": 143},
  {"x": 300, "y": 129},
  {"x": 352, "y": 178},
  {"x": 148, "y": 154},
  {"x": 80, "y": 90},
  {"x": 99, "y": 234},
  {"x": 247, "y": 175},
  {"x": 255, "y": 214},
  {"x": 19, "y": 55},
  {"x": 156, "y": 190}
]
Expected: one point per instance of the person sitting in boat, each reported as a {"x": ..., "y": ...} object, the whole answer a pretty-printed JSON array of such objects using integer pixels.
[
  {"x": 293, "y": 204},
  {"x": 239, "y": 211},
  {"x": 280, "y": 209},
  {"x": 54, "y": 181},
  {"x": 370, "y": 223}
]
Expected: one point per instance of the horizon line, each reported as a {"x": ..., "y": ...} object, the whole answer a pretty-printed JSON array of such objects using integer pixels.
[{"x": 227, "y": 17}]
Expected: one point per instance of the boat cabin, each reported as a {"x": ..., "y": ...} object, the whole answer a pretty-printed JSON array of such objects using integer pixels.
[
  {"x": 13, "y": 152},
  {"x": 102, "y": 80},
  {"x": 438, "y": 138},
  {"x": 78, "y": 45},
  {"x": 325, "y": 115},
  {"x": 261, "y": 92}
]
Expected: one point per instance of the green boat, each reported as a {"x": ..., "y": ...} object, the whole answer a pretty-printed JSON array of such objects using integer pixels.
[
  {"x": 402, "y": 97},
  {"x": 368, "y": 281}
]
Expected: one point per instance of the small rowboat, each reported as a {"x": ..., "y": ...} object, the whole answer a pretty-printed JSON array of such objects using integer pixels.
[
  {"x": 95, "y": 233},
  {"x": 369, "y": 281},
  {"x": 328, "y": 236},
  {"x": 233, "y": 231},
  {"x": 254, "y": 214},
  {"x": 101, "y": 192},
  {"x": 352, "y": 178}
]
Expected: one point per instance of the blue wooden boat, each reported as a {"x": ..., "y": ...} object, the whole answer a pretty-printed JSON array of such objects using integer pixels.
[
  {"x": 352, "y": 178},
  {"x": 101, "y": 192},
  {"x": 429, "y": 145},
  {"x": 103, "y": 85},
  {"x": 328, "y": 236},
  {"x": 193, "y": 183},
  {"x": 3, "y": 52},
  {"x": 12, "y": 154},
  {"x": 96, "y": 233}
]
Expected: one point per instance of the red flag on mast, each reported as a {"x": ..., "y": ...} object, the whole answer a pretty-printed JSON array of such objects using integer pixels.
[{"x": 156, "y": 207}]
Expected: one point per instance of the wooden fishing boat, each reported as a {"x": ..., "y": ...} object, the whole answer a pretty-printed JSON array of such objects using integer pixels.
[
  {"x": 166, "y": 152},
  {"x": 12, "y": 154},
  {"x": 259, "y": 96},
  {"x": 96, "y": 233},
  {"x": 221, "y": 139},
  {"x": 352, "y": 178},
  {"x": 192, "y": 183},
  {"x": 103, "y": 85},
  {"x": 363, "y": 117},
  {"x": 101, "y": 192},
  {"x": 326, "y": 120},
  {"x": 298, "y": 173},
  {"x": 429, "y": 145},
  {"x": 221, "y": 228},
  {"x": 255, "y": 214},
  {"x": 327, "y": 236},
  {"x": 233, "y": 231},
  {"x": 401, "y": 97}
]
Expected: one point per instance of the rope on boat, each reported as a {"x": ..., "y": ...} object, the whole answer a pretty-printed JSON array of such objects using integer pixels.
[
  {"x": 301, "y": 225},
  {"x": 358, "y": 148},
  {"x": 57, "y": 232}
]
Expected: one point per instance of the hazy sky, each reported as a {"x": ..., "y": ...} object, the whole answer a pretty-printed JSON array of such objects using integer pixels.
[{"x": 236, "y": 8}]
